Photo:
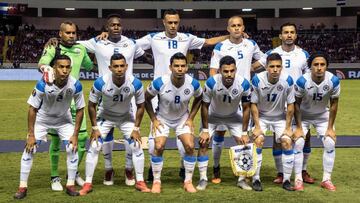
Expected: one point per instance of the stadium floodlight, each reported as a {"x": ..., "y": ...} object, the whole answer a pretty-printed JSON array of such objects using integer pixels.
[
  {"x": 129, "y": 9},
  {"x": 187, "y": 9},
  {"x": 70, "y": 9},
  {"x": 246, "y": 9},
  {"x": 307, "y": 8}
]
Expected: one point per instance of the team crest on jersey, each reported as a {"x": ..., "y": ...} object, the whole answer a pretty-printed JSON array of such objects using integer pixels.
[
  {"x": 235, "y": 92},
  {"x": 187, "y": 91},
  {"x": 125, "y": 45},
  {"x": 280, "y": 88},
  {"x": 326, "y": 88},
  {"x": 69, "y": 91},
  {"x": 126, "y": 89},
  {"x": 33, "y": 93}
]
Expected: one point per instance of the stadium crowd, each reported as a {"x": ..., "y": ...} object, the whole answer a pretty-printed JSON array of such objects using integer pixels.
[{"x": 341, "y": 46}]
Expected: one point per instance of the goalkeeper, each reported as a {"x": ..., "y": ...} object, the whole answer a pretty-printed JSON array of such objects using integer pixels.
[
  {"x": 221, "y": 98},
  {"x": 79, "y": 58}
]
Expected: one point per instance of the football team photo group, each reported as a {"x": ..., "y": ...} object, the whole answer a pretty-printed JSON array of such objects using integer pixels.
[{"x": 250, "y": 95}]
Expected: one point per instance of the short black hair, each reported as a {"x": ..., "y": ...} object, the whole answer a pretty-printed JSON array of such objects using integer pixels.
[
  {"x": 178, "y": 56},
  {"x": 318, "y": 54},
  {"x": 170, "y": 11},
  {"x": 273, "y": 57},
  {"x": 60, "y": 57},
  {"x": 227, "y": 60},
  {"x": 117, "y": 56},
  {"x": 113, "y": 15},
  {"x": 288, "y": 24}
]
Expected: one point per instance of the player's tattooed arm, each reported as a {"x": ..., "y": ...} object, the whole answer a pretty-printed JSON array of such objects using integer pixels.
[
  {"x": 289, "y": 117},
  {"x": 51, "y": 42},
  {"x": 297, "y": 115},
  {"x": 194, "y": 109},
  {"x": 31, "y": 141},
  {"x": 135, "y": 134},
  {"x": 256, "y": 66},
  {"x": 95, "y": 133},
  {"x": 157, "y": 126},
  {"x": 204, "y": 135},
  {"x": 78, "y": 120},
  {"x": 333, "y": 111},
  {"x": 214, "y": 40},
  {"x": 102, "y": 36},
  {"x": 255, "y": 116}
]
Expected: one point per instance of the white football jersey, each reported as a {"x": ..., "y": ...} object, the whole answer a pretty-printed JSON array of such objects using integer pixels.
[
  {"x": 272, "y": 98},
  {"x": 294, "y": 62},
  {"x": 163, "y": 48},
  {"x": 224, "y": 102},
  {"x": 173, "y": 101},
  {"x": 53, "y": 103},
  {"x": 316, "y": 97},
  {"x": 115, "y": 101},
  {"x": 104, "y": 49},
  {"x": 243, "y": 54}
]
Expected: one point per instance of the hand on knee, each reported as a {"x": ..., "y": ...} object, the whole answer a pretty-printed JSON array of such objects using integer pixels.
[
  {"x": 259, "y": 141},
  {"x": 286, "y": 142},
  {"x": 95, "y": 146}
]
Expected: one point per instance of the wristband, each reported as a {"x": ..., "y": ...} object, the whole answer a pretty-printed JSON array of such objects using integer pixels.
[
  {"x": 95, "y": 127},
  {"x": 205, "y": 130},
  {"x": 136, "y": 129}
]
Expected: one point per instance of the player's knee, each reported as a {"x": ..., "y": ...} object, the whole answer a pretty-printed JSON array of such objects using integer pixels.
[
  {"x": 259, "y": 141},
  {"x": 203, "y": 148},
  {"x": 299, "y": 144},
  {"x": 159, "y": 147},
  {"x": 329, "y": 144},
  {"x": 286, "y": 142},
  {"x": 277, "y": 146},
  {"x": 189, "y": 148}
]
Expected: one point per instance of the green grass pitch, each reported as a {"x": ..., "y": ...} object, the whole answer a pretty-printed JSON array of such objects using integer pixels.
[{"x": 13, "y": 126}]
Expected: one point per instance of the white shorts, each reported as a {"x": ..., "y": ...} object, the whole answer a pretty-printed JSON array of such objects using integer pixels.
[
  {"x": 319, "y": 122},
  {"x": 277, "y": 126},
  {"x": 125, "y": 124},
  {"x": 64, "y": 130},
  {"x": 177, "y": 125},
  {"x": 233, "y": 124}
]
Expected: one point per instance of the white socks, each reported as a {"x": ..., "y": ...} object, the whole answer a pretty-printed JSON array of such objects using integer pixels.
[
  {"x": 157, "y": 165},
  {"x": 298, "y": 158},
  {"x": 328, "y": 157},
  {"x": 203, "y": 164},
  {"x": 288, "y": 163},
  {"x": 259, "y": 162},
  {"x": 217, "y": 145},
  {"x": 189, "y": 163}
]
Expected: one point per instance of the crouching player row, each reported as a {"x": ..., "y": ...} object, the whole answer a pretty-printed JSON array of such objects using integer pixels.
[{"x": 49, "y": 109}]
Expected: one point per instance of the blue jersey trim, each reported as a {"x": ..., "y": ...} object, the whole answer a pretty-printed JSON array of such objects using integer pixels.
[
  {"x": 290, "y": 81},
  {"x": 99, "y": 83},
  {"x": 218, "y": 46},
  {"x": 195, "y": 84},
  {"x": 335, "y": 80},
  {"x": 152, "y": 34},
  {"x": 252, "y": 41},
  {"x": 158, "y": 83},
  {"x": 269, "y": 52},
  {"x": 245, "y": 85},
  {"x": 78, "y": 87},
  {"x": 307, "y": 55},
  {"x": 40, "y": 85},
  {"x": 301, "y": 82},
  {"x": 211, "y": 82},
  {"x": 137, "y": 84},
  {"x": 255, "y": 81}
]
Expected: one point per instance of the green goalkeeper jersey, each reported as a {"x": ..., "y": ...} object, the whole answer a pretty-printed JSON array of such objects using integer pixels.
[{"x": 77, "y": 53}]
